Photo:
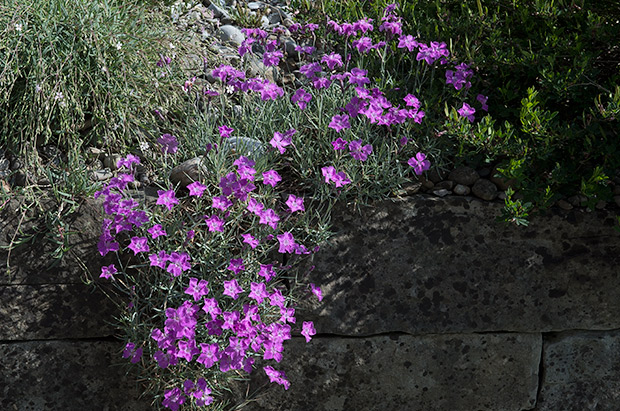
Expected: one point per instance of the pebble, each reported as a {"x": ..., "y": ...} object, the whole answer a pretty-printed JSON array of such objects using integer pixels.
[
  {"x": 484, "y": 189},
  {"x": 102, "y": 175},
  {"x": 442, "y": 192},
  {"x": 188, "y": 171},
  {"x": 230, "y": 34},
  {"x": 464, "y": 175},
  {"x": 461, "y": 190},
  {"x": 244, "y": 146},
  {"x": 564, "y": 205},
  {"x": 447, "y": 184},
  {"x": 436, "y": 175}
]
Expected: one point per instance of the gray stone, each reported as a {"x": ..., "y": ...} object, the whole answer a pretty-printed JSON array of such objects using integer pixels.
[
  {"x": 464, "y": 175},
  {"x": 484, "y": 189},
  {"x": 565, "y": 205},
  {"x": 219, "y": 12},
  {"x": 289, "y": 47},
  {"x": 581, "y": 372},
  {"x": 188, "y": 171},
  {"x": 244, "y": 146},
  {"x": 442, "y": 192},
  {"x": 462, "y": 190},
  {"x": 600, "y": 204},
  {"x": 436, "y": 175},
  {"x": 230, "y": 34},
  {"x": 434, "y": 372},
  {"x": 54, "y": 311},
  {"x": 484, "y": 172},
  {"x": 424, "y": 264},
  {"x": 446, "y": 184},
  {"x": 102, "y": 175},
  {"x": 66, "y": 375},
  {"x": 578, "y": 200},
  {"x": 111, "y": 160},
  {"x": 254, "y": 5}
]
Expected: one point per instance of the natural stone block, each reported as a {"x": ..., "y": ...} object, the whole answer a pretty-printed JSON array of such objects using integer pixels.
[
  {"x": 438, "y": 265},
  {"x": 66, "y": 375},
  {"x": 403, "y": 372},
  {"x": 581, "y": 372},
  {"x": 35, "y": 312}
]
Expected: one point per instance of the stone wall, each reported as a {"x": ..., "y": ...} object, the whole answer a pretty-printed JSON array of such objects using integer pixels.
[{"x": 429, "y": 305}]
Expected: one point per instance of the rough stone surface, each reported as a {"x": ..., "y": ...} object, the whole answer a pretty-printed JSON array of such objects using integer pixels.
[
  {"x": 35, "y": 312},
  {"x": 403, "y": 372},
  {"x": 464, "y": 175},
  {"x": 581, "y": 372},
  {"x": 484, "y": 189},
  {"x": 429, "y": 265},
  {"x": 188, "y": 171},
  {"x": 230, "y": 34},
  {"x": 66, "y": 375},
  {"x": 462, "y": 190}
]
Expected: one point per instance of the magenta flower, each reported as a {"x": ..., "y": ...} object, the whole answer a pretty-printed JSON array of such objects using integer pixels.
[
  {"x": 277, "y": 299},
  {"x": 138, "y": 245},
  {"x": 131, "y": 351},
  {"x": 169, "y": 143},
  {"x": 412, "y": 101},
  {"x": 159, "y": 260},
  {"x": 255, "y": 207},
  {"x": 197, "y": 289},
  {"x": 225, "y": 131},
  {"x": 250, "y": 239},
  {"x": 301, "y": 97},
  {"x": 363, "y": 44},
  {"x": 221, "y": 203},
  {"x": 328, "y": 172},
  {"x": 339, "y": 144},
  {"x": 363, "y": 25},
  {"x": 341, "y": 179},
  {"x": 339, "y": 122},
  {"x": 483, "y": 100},
  {"x": 209, "y": 355},
  {"x": 295, "y": 203},
  {"x": 271, "y": 177},
  {"x": 332, "y": 60},
  {"x": 214, "y": 223},
  {"x": 108, "y": 271},
  {"x": 270, "y": 91},
  {"x": 178, "y": 263},
  {"x": 467, "y": 111},
  {"x": 270, "y": 218},
  {"x": 272, "y": 58},
  {"x": 409, "y": 42},
  {"x": 196, "y": 189},
  {"x": 258, "y": 292},
  {"x": 173, "y": 399},
  {"x": 167, "y": 198},
  {"x": 358, "y": 77},
  {"x": 287, "y": 243},
  {"x": 267, "y": 271},
  {"x": 232, "y": 289},
  {"x": 316, "y": 291},
  {"x": 277, "y": 376},
  {"x": 308, "y": 330},
  {"x": 358, "y": 152},
  {"x": 310, "y": 69},
  {"x": 280, "y": 141},
  {"x": 321, "y": 82},
  {"x": 236, "y": 265},
  {"x": 128, "y": 161},
  {"x": 419, "y": 163}
]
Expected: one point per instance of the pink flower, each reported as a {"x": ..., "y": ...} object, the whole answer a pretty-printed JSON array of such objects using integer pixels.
[
  {"x": 221, "y": 203},
  {"x": 225, "y": 131},
  {"x": 250, "y": 239},
  {"x": 138, "y": 245},
  {"x": 169, "y": 143},
  {"x": 332, "y": 60},
  {"x": 339, "y": 122},
  {"x": 419, "y": 163},
  {"x": 316, "y": 291},
  {"x": 287, "y": 243},
  {"x": 108, "y": 271},
  {"x": 483, "y": 100},
  {"x": 271, "y": 177},
  {"x": 295, "y": 203},
  {"x": 215, "y": 223},
  {"x": 167, "y": 198},
  {"x": 232, "y": 289},
  {"x": 468, "y": 112},
  {"x": 308, "y": 330},
  {"x": 302, "y": 98},
  {"x": 409, "y": 42},
  {"x": 236, "y": 265},
  {"x": 196, "y": 189}
]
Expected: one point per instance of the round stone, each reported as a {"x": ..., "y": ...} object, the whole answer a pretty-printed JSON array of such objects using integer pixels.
[
  {"x": 464, "y": 175},
  {"x": 484, "y": 189},
  {"x": 461, "y": 190},
  {"x": 230, "y": 34},
  {"x": 188, "y": 171}
]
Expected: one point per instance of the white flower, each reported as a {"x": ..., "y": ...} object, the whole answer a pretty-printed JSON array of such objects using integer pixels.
[
  {"x": 119, "y": 45},
  {"x": 144, "y": 146},
  {"x": 38, "y": 88},
  {"x": 230, "y": 89},
  {"x": 18, "y": 27},
  {"x": 59, "y": 96},
  {"x": 172, "y": 46}
]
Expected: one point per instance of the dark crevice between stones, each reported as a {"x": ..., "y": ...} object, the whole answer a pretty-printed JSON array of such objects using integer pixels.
[{"x": 541, "y": 368}]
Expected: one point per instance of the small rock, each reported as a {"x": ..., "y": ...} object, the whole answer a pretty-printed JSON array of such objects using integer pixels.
[
  {"x": 501, "y": 195},
  {"x": 188, "y": 171},
  {"x": 102, "y": 175},
  {"x": 447, "y": 184},
  {"x": 577, "y": 200},
  {"x": 19, "y": 179},
  {"x": 426, "y": 183},
  {"x": 564, "y": 205},
  {"x": 254, "y": 5},
  {"x": 5, "y": 188},
  {"x": 484, "y": 189},
  {"x": 264, "y": 21},
  {"x": 442, "y": 192},
  {"x": 436, "y": 175},
  {"x": 230, "y": 34},
  {"x": 110, "y": 161},
  {"x": 244, "y": 146},
  {"x": 464, "y": 175},
  {"x": 484, "y": 172},
  {"x": 218, "y": 12},
  {"x": 289, "y": 47},
  {"x": 462, "y": 190},
  {"x": 409, "y": 189},
  {"x": 600, "y": 204},
  {"x": 94, "y": 152}
]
